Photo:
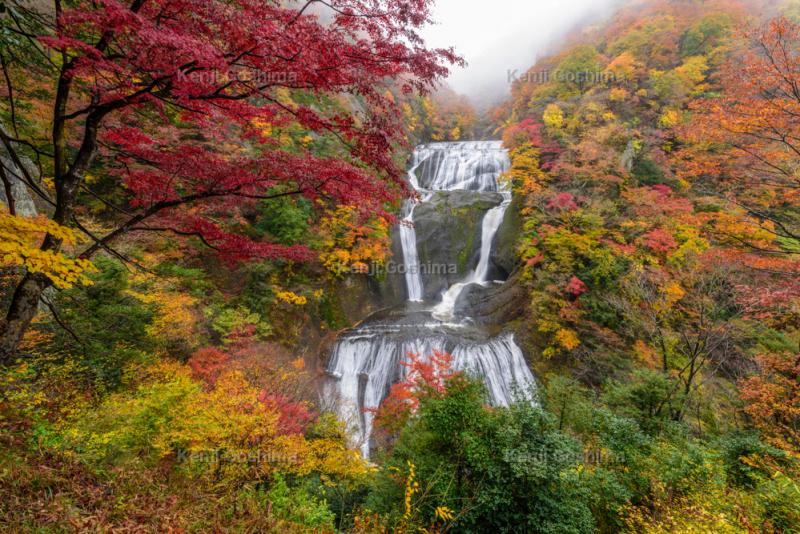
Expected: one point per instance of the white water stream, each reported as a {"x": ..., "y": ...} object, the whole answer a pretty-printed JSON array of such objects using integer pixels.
[{"x": 445, "y": 310}]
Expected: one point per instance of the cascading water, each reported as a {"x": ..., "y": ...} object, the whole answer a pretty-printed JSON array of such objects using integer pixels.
[
  {"x": 491, "y": 223},
  {"x": 366, "y": 361},
  {"x": 408, "y": 240},
  {"x": 471, "y": 166}
]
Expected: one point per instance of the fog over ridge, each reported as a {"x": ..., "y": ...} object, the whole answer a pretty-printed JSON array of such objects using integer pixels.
[{"x": 501, "y": 37}]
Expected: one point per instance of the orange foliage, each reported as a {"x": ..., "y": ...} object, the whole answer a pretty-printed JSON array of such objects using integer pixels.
[
  {"x": 747, "y": 138},
  {"x": 207, "y": 364},
  {"x": 424, "y": 376},
  {"x": 773, "y": 399}
]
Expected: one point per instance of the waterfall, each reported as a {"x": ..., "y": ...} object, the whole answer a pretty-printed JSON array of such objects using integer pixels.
[
  {"x": 377, "y": 355},
  {"x": 408, "y": 240},
  {"x": 445, "y": 310},
  {"x": 365, "y": 362},
  {"x": 470, "y": 165}
]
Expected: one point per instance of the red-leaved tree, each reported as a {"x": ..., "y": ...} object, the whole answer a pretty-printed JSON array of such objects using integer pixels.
[
  {"x": 172, "y": 98},
  {"x": 424, "y": 376}
]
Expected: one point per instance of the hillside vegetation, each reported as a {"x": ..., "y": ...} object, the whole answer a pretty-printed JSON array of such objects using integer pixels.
[{"x": 171, "y": 287}]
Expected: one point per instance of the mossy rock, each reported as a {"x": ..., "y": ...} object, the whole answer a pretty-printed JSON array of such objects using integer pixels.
[
  {"x": 504, "y": 259},
  {"x": 448, "y": 229}
]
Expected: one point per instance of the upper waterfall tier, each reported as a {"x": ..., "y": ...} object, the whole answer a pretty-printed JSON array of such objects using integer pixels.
[{"x": 471, "y": 166}]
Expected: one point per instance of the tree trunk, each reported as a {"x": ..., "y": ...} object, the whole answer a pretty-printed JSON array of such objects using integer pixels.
[{"x": 22, "y": 310}]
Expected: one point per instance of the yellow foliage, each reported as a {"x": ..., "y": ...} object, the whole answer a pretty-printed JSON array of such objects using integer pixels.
[
  {"x": 19, "y": 246},
  {"x": 592, "y": 112},
  {"x": 703, "y": 512},
  {"x": 291, "y": 298},
  {"x": 350, "y": 244},
  {"x": 176, "y": 320},
  {"x": 645, "y": 353},
  {"x": 669, "y": 119},
  {"x": 693, "y": 69},
  {"x": 412, "y": 487},
  {"x": 618, "y": 94},
  {"x": 525, "y": 173},
  {"x": 672, "y": 293},
  {"x": 691, "y": 244},
  {"x": 331, "y": 459},
  {"x": 444, "y": 513},
  {"x": 553, "y": 116},
  {"x": 567, "y": 339},
  {"x": 263, "y": 126},
  {"x": 623, "y": 67},
  {"x": 124, "y": 422},
  {"x": 231, "y": 417},
  {"x": 742, "y": 228}
]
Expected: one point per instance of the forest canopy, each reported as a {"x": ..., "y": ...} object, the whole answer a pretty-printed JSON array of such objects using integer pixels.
[{"x": 201, "y": 196}]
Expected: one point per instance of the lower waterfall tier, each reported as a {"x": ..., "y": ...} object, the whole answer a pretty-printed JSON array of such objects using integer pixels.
[{"x": 367, "y": 361}]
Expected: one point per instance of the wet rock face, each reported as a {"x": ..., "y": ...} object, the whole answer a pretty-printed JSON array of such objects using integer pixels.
[
  {"x": 504, "y": 258},
  {"x": 494, "y": 304},
  {"x": 360, "y": 294},
  {"x": 448, "y": 229}
]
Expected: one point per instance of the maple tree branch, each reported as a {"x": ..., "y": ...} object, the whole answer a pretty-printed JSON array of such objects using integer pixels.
[
  {"x": 787, "y": 232},
  {"x": 60, "y": 322},
  {"x": 104, "y": 201},
  {"x": 333, "y": 8},
  {"x": 30, "y": 37},
  {"x": 301, "y": 11},
  {"x": 124, "y": 259},
  {"x": 26, "y": 177},
  {"x": 105, "y": 39},
  {"x": 196, "y": 234},
  {"x": 754, "y": 247},
  {"x": 778, "y": 70},
  {"x": 41, "y": 194},
  {"x": 160, "y": 206},
  {"x": 25, "y": 142},
  {"x": 10, "y": 88}
]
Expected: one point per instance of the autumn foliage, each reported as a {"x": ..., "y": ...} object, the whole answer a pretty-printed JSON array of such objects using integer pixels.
[
  {"x": 216, "y": 185},
  {"x": 661, "y": 238},
  {"x": 178, "y": 105},
  {"x": 423, "y": 376}
]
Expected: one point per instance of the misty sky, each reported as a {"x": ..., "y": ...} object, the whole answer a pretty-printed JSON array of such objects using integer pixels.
[{"x": 501, "y": 35}]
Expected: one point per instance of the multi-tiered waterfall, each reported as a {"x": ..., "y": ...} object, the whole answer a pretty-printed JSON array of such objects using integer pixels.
[{"x": 366, "y": 361}]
